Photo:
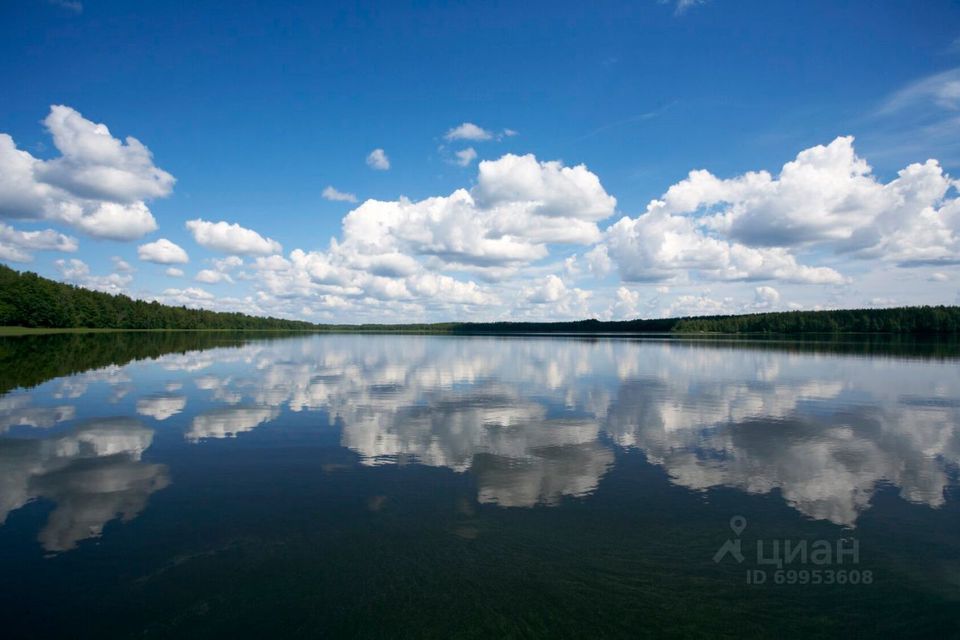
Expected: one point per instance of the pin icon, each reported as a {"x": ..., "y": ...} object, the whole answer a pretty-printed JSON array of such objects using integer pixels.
[{"x": 738, "y": 524}]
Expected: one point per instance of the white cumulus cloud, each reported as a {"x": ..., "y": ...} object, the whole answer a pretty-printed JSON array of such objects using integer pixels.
[
  {"x": 445, "y": 252},
  {"x": 467, "y": 131},
  {"x": 561, "y": 300},
  {"x": 95, "y": 165},
  {"x": 540, "y": 240},
  {"x": 190, "y": 297},
  {"x": 121, "y": 265},
  {"x": 658, "y": 246},
  {"x": 17, "y": 245},
  {"x": 829, "y": 197},
  {"x": 210, "y": 276},
  {"x": 756, "y": 225},
  {"x": 765, "y": 298},
  {"x": 231, "y": 238},
  {"x": 330, "y": 193},
  {"x": 162, "y": 251},
  {"x": 465, "y": 156},
  {"x": 377, "y": 159},
  {"x": 78, "y": 272},
  {"x": 98, "y": 184},
  {"x": 543, "y": 188}
]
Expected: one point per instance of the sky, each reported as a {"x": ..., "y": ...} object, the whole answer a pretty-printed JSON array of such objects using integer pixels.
[{"x": 421, "y": 161}]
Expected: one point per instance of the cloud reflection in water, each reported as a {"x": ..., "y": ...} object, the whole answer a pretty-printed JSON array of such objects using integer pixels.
[
  {"x": 543, "y": 414},
  {"x": 534, "y": 420},
  {"x": 92, "y": 472}
]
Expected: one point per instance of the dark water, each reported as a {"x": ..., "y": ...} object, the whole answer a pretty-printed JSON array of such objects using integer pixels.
[{"x": 405, "y": 486}]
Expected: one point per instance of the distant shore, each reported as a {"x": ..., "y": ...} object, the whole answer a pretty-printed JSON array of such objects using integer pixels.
[
  {"x": 482, "y": 330},
  {"x": 33, "y": 305},
  {"x": 40, "y": 331}
]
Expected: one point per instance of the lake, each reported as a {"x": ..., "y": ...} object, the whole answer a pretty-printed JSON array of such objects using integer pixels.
[{"x": 184, "y": 485}]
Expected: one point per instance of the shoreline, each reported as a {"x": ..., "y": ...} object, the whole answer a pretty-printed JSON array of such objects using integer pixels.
[{"x": 15, "y": 331}]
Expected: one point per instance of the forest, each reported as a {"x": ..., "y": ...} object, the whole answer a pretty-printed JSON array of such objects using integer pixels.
[
  {"x": 911, "y": 320},
  {"x": 29, "y": 300}
]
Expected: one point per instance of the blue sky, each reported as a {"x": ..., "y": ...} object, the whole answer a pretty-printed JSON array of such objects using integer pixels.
[{"x": 568, "y": 195}]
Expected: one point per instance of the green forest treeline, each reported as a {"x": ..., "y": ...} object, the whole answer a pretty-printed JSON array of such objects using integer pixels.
[
  {"x": 912, "y": 320},
  {"x": 28, "y": 300}
]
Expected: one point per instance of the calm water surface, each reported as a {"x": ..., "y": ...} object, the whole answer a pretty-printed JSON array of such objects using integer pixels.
[{"x": 407, "y": 486}]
